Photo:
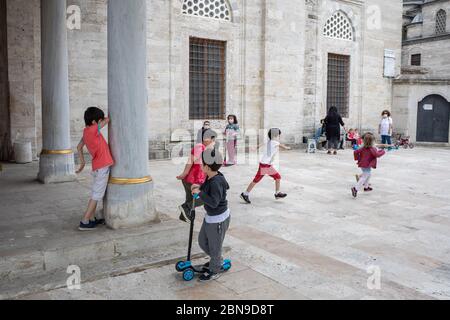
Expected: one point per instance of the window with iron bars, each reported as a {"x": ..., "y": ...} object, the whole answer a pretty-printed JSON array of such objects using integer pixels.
[
  {"x": 206, "y": 79},
  {"x": 416, "y": 59},
  {"x": 338, "y": 88}
]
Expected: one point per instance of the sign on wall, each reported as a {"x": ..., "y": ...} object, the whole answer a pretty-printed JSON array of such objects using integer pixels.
[
  {"x": 389, "y": 63},
  {"x": 428, "y": 107}
]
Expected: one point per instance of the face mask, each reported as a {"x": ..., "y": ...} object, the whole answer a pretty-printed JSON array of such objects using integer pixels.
[
  {"x": 385, "y": 116},
  {"x": 230, "y": 121}
]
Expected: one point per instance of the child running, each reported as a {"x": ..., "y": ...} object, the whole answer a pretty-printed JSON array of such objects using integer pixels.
[
  {"x": 193, "y": 174},
  {"x": 101, "y": 163},
  {"x": 213, "y": 193},
  {"x": 367, "y": 160},
  {"x": 266, "y": 166}
]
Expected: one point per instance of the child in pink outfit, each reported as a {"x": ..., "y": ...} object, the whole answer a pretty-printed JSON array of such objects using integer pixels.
[
  {"x": 231, "y": 133},
  {"x": 367, "y": 160}
]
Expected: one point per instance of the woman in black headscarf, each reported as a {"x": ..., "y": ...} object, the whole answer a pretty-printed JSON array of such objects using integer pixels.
[{"x": 333, "y": 123}]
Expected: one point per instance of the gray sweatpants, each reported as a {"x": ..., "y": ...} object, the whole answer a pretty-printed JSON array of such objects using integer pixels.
[{"x": 211, "y": 239}]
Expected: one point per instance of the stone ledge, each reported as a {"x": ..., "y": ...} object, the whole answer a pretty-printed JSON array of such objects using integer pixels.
[{"x": 164, "y": 244}]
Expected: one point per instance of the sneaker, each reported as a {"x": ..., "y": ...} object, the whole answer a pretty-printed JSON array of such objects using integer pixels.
[
  {"x": 368, "y": 189},
  {"x": 329, "y": 152},
  {"x": 208, "y": 276},
  {"x": 280, "y": 195},
  {"x": 335, "y": 152},
  {"x": 205, "y": 268},
  {"x": 87, "y": 227},
  {"x": 185, "y": 215},
  {"x": 354, "y": 192},
  {"x": 245, "y": 198},
  {"x": 98, "y": 222},
  {"x": 357, "y": 178}
]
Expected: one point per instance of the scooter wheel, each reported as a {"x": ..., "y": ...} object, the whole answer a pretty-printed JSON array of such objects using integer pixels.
[
  {"x": 411, "y": 146},
  {"x": 179, "y": 266},
  {"x": 227, "y": 265},
  {"x": 188, "y": 275}
]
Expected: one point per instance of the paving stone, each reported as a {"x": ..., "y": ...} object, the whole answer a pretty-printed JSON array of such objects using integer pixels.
[{"x": 316, "y": 244}]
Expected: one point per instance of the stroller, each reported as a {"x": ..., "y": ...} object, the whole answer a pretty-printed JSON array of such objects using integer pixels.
[{"x": 404, "y": 141}]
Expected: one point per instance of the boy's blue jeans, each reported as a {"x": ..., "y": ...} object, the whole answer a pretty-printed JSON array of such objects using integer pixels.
[{"x": 386, "y": 140}]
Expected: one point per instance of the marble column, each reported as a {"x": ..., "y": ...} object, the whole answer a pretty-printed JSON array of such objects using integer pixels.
[
  {"x": 129, "y": 199},
  {"x": 56, "y": 163}
]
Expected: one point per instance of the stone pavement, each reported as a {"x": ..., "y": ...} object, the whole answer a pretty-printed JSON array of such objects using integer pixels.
[{"x": 318, "y": 243}]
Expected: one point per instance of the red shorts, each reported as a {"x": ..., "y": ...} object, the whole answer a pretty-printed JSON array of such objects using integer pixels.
[{"x": 266, "y": 169}]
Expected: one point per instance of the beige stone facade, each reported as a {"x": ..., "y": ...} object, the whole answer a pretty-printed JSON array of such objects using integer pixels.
[
  {"x": 418, "y": 83},
  {"x": 276, "y": 64}
]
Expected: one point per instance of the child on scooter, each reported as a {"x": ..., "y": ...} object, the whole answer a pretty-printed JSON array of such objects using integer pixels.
[{"x": 213, "y": 193}]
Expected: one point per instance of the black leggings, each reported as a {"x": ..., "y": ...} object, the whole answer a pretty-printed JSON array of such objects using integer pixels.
[{"x": 333, "y": 143}]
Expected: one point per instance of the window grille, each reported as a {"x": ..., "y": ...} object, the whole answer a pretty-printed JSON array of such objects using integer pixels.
[
  {"x": 338, "y": 83},
  {"x": 206, "y": 79},
  {"x": 339, "y": 26},
  {"x": 214, "y": 9},
  {"x": 441, "y": 22},
  {"x": 416, "y": 59}
]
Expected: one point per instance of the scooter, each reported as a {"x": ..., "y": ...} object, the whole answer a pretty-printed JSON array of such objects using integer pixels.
[{"x": 186, "y": 267}]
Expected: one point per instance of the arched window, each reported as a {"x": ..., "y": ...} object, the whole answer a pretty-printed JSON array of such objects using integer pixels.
[
  {"x": 339, "y": 26},
  {"x": 441, "y": 21},
  {"x": 214, "y": 9}
]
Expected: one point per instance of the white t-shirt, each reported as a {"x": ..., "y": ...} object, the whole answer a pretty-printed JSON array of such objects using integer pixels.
[
  {"x": 385, "y": 125},
  {"x": 273, "y": 147}
]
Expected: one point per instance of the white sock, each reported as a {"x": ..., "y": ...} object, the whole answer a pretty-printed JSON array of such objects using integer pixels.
[
  {"x": 246, "y": 193},
  {"x": 85, "y": 221}
]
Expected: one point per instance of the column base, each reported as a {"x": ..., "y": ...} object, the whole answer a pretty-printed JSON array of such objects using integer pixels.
[
  {"x": 127, "y": 206},
  {"x": 56, "y": 168}
]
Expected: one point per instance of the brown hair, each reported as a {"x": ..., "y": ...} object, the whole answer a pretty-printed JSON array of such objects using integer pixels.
[
  {"x": 369, "y": 140},
  {"x": 386, "y": 112}
]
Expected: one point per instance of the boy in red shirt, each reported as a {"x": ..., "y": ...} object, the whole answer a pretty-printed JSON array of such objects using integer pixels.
[
  {"x": 193, "y": 173},
  {"x": 367, "y": 160},
  {"x": 101, "y": 163}
]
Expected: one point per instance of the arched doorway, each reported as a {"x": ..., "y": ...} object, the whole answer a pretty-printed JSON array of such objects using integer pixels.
[{"x": 433, "y": 119}]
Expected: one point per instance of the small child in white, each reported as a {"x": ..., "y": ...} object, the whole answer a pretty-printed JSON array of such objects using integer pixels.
[{"x": 266, "y": 166}]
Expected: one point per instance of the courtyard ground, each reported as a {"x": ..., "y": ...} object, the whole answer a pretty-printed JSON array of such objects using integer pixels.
[{"x": 318, "y": 243}]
